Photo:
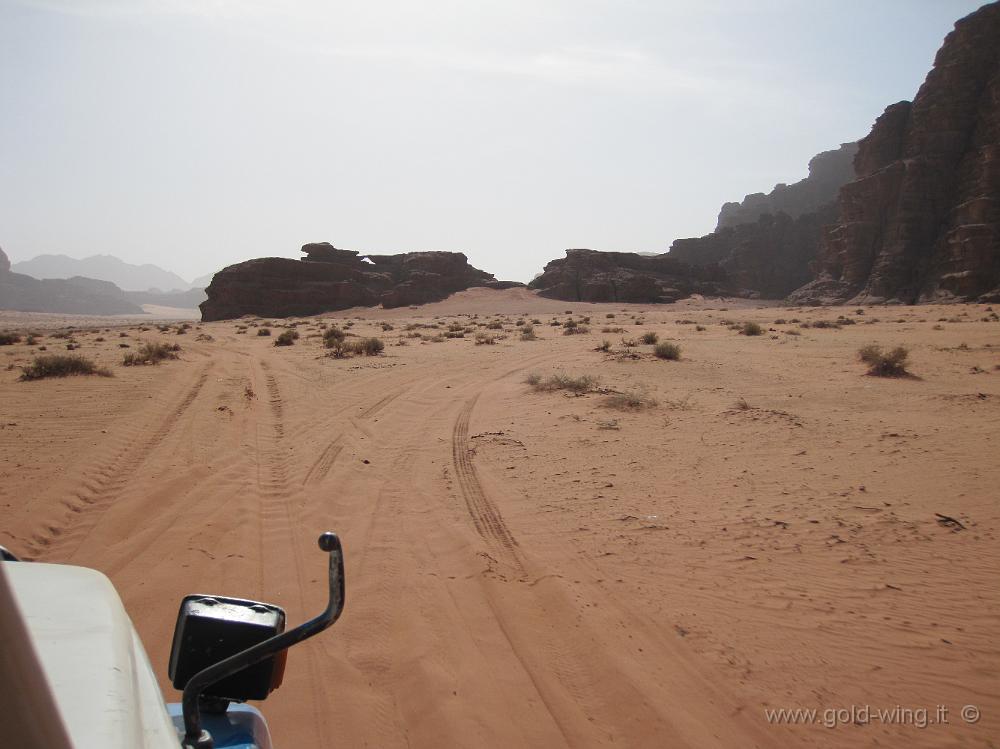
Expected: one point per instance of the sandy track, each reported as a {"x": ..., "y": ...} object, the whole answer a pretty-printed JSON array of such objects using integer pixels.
[{"x": 531, "y": 569}]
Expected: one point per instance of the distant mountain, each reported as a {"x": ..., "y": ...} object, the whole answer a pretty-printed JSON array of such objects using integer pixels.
[
  {"x": 105, "y": 268},
  {"x": 202, "y": 282},
  {"x": 75, "y": 296}
]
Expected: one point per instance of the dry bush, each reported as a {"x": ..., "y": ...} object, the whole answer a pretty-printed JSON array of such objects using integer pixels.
[
  {"x": 151, "y": 353},
  {"x": 667, "y": 350},
  {"x": 59, "y": 365},
  {"x": 883, "y": 363},
  {"x": 287, "y": 337},
  {"x": 366, "y": 346},
  {"x": 649, "y": 338},
  {"x": 560, "y": 381},
  {"x": 528, "y": 333},
  {"x": 751, "y": 328},
  {"x": 484, "y": 339},
  {"x": 8, "y": 339},
  {"x": 332, "y": 336},
  {"x": 630, "y": 400},
  {"x": 264, "y": 331}
]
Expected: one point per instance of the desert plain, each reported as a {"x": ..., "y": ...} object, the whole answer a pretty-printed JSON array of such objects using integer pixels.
[{"x": 657, "y": 561}]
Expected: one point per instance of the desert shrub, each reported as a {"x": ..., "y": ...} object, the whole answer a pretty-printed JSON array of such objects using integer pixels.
[
  {"x": 667, "y": 350},
  {"x": 793, "y": 331},
  {"x": 781, "y": 321},
  {"x": 264, "y": 332},
  {"x": 560, "y": 381},
  {"x": 610, "y": 316},
  {"x": 8, "y": 339},
  {"x": 366, "y": 346},
  {"x": 576, "y": 330},
  {"x": 630, "y": 400},
  {"x": 883, "y": 363},
  {"x": 700, "y": 328},
  {"x": 605, "y": 345},
  {"x": 60, "y": 365},
  {"x": 649, "y": 338},
  {"x": 151, "y": 353},
  {"x": 570, "y": 324},
  {"x": 386, "y": 326},
  {"x": 484, "y": 339},
  {"x": 332, "y": 336},
  {"x": 827, "y": 324},
  {"x": 751, "y": 328},
  {"x": 287, "y": 338},
  {"x": 528, "y": 333}
]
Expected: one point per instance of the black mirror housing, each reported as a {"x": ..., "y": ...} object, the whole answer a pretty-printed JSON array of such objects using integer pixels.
[{"x": 212, "y": 628}]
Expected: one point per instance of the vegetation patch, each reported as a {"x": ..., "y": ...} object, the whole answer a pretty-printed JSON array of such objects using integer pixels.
[
  {"x": 667, "y": 350},
  {"x": 61, "y": 365},
  {"x": 151, "y": 353},
  {"x": 287, "y": 338},
  {"x": 560, "y": 381},
  {"x": 885, "y": 363}
]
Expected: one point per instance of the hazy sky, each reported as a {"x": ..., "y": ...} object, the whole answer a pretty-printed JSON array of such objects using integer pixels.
[{"x": 198, "y": 133}]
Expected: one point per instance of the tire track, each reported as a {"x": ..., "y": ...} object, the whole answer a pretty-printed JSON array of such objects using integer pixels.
[
  {"x": 485, "y": 515},
  {"x": 379, "y": 405},
  {"x": 278, "y": 528},
  {"x": 319, "y": 469},
  {"x": 100, "y": 487}
]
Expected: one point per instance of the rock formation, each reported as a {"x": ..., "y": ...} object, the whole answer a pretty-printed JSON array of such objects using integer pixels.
[
  {"x": 922, "y": 221},
  {"x": 768, "y": 258},
  {"x": 828, "y": 171},
  {"x": 329, "y": 279},
  {"x": 71, "y": 296},
  {"x": 592, "y": 276}
]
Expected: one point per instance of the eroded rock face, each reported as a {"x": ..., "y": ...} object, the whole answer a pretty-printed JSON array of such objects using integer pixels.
[
  {"x": 922, "y": 221},
  {"x": 828, "y": 171},
  {"x": 329, "y": 279},
  {"x": 592, "y": 276},
  {"x": 770, "y": 257}
]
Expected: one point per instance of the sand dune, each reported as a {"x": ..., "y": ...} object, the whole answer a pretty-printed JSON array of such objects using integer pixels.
[{"x": 538, "y": 569}]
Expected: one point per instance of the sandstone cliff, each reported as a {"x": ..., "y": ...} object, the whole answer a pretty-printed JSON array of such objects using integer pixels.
[
  {"x": 922, "y": 221},
  {"x": 770, "y": 257},
  {"x": 592, "y": 276},
  {"x": 828, "y": 171},
  {"x": 330, "y": 279}
]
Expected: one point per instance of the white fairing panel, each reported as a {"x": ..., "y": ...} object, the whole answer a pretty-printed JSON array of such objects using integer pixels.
[{"x": 98, "y": 671}]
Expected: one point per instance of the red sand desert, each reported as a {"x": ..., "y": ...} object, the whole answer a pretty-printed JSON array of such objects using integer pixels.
[{"x": 538, "y": 568}]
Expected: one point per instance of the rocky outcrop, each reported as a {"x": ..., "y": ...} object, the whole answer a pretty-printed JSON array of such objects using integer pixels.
[
  {"x": 921, "y": 223},
  {"x": 592, "y": 276},
  {"x": 329, "y": 279},
  {"x": 770, "y": 257},
  {"x": 70, "y": 296},
  {"x": 828, "y": 171}
]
